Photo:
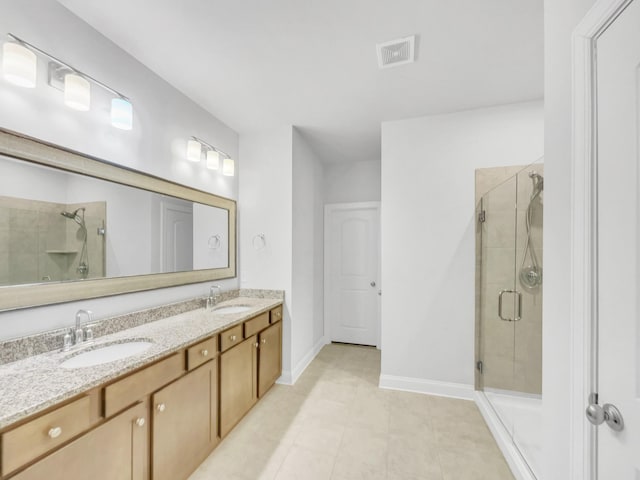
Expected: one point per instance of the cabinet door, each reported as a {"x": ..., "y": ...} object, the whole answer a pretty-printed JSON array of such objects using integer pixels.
[
  {"x": 238, "y": 383},
  {"x": 116, "y": 450},
  {"x": 185, "y": 423},
  {"x": 269, "y": 357}
]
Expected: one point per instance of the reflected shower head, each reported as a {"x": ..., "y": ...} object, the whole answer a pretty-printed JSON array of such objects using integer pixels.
[{"x": 75, "y": 216}]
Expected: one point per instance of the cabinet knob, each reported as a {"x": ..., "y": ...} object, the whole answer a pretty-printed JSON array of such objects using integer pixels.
[
  {"x": 140, "y": 422},
  {"x": 54, "y": 432},
  {"x": 204, "y": 353},
  {"x": 161, "y": 407},
  {"x": 264, "y": 340},
  {"x": 232, "y": 338},
  {"x": 256, "y": 344}
]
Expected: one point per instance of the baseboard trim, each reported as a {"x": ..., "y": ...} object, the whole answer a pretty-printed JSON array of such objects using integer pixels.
[
  {"x": 291, "y": 377},
  {"x": 430, "y": 387},
  {"x": 512, "y": 455}
]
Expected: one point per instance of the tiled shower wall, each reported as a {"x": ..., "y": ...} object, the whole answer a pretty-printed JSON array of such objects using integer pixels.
[
  {"x": 37, "y": 244},
  {"x": 511, "y": 352}
]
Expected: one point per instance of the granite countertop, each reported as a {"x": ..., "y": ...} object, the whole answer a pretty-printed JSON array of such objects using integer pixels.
[{"x": 35, "y": 383}]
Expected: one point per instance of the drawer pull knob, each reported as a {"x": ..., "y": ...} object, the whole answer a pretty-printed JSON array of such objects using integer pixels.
[
  {"x": 204, "y": 352},
  {"x": 161, "y": 407},
  {"x": 264, "y": 340},
  {"x": 54, "y": 432},
  {"x": 232, "y": 338},
  {"x": 140, "y": 422}
]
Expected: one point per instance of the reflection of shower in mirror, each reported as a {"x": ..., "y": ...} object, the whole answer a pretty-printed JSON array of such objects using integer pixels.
[{"x": 78, "y": 217}]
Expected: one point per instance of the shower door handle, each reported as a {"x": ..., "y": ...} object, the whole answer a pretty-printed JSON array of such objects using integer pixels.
[{"x": 518, "y": 315}]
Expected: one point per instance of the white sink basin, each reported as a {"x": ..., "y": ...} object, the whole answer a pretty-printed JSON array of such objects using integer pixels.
[
  {"x": 106, "y": 354},
  {"x": 232, "y": 309}
]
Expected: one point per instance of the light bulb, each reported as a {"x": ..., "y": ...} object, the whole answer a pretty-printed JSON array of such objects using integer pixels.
[
  {"x": 77, "y": 92},
  {"x": 213, "y": 160},
  {"x": 228, "y": 167},
  {"x": 121, "y": 113},
  {"x": 194, "y": 150},
  {"x": 19, "y": 65}
]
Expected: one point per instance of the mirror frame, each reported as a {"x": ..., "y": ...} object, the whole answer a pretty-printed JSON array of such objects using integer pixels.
[{"x": 22, "y": 147}]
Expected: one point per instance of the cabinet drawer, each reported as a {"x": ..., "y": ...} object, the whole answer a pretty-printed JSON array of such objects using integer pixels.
[
  {"x": 276, "y": 314},
  {"x": 29, "y": 441},
  {"x": 230, "y": 337},
  {"x": 131, "y": 389},
  {"x": 202, "y": 352},
  {"x": 253, "y": 326}
]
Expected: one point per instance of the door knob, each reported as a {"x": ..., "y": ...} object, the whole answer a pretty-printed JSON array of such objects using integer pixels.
[
  {"x": 608, "y": 413},
  {"x": 373, "y": 284}
]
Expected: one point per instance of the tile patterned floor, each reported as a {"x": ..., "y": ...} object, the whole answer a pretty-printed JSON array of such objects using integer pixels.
[{"x": 336, "y": 424}]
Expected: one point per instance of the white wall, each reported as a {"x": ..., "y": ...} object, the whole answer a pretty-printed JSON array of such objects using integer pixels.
[
  {"x": 560, "y": 18},
  {"x": 163, "y": 121},
  {"x": 308, "y": 219},
  {"x": 352, "y": 182},
  {"x": 281, "y": 197},
  {"x": 265, "y": 207},
  {"x": 428, "y": 236}
]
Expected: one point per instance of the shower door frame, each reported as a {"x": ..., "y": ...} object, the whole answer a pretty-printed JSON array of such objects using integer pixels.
[{"x": 584, "y": 231}]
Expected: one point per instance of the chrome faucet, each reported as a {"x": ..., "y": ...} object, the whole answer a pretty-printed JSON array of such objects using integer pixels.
[
  {"x": 79, "y": 335},
  {"x": 212, "y": 299}
]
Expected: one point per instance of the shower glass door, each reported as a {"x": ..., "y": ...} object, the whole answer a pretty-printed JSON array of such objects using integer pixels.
[
  {"x": 498, "y": 295},
  {"x": 509, "y": 279}
]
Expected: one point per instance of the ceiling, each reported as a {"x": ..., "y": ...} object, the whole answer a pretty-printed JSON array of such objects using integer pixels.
[{"x": 259, "y": 64}]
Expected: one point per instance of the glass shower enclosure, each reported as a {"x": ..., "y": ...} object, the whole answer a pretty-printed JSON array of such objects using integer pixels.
[{"x": 509, "y": 278}]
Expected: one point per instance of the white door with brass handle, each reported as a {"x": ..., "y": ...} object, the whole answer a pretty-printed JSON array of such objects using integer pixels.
[{"x": 352, "y": 291}]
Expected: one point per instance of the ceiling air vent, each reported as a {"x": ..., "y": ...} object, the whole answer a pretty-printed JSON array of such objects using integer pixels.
[{"x": 396, "y": 52}]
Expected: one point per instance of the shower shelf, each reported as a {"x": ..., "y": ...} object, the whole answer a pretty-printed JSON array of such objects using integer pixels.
[{"x": 62, "y": 252}]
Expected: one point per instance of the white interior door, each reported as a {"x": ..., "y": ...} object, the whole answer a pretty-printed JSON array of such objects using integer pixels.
[
  {"x": 177, "y": 237},
  {"x": 618, "y": 137},
  {"x": 352, "y": 250}
]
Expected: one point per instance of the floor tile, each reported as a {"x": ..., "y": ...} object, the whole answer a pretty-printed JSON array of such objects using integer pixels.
[{"x": 336, "y": 424}]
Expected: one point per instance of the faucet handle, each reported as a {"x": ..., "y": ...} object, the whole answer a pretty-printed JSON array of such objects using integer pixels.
[
  {"x": 67, "y": 341},
  {"x": 88, "y": 333},
  {"x": 79, "y": 336}
]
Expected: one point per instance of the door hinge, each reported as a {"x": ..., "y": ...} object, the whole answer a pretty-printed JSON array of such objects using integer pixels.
[
  {"x": 479, "y": 366},
  {"x": 482, "y": 216}
]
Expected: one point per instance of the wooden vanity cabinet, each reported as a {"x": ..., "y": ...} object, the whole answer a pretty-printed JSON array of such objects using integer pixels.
[
  {"x": 238, "y": 383},
  {"x": 269, "y": 357},
  {"x": 185, "y": 423},
  {"x": 117, "y": 449}
]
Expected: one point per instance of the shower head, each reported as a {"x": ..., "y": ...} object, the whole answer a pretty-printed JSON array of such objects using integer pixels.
[
  {"x": 538, "y": 181},
  {"x": 77, "y": 216}
]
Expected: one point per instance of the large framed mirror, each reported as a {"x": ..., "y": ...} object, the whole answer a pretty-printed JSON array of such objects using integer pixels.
[{"x": 74, "y": 227}]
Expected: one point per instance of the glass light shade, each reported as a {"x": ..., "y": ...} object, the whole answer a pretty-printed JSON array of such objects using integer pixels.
[
  {"x": 213, "y": 160},
  {"x": 19, "y": 65},
  {"x": 194, "y": 150},
  {"x": 228, "y": 167},
  {"x": 77, "y": 92},
  {"x": 121, "y": 114}
]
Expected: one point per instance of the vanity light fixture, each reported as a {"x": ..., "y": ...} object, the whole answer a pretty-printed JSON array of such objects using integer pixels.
[
  {"x": 19, "y": 64},
  {"x": 228, "y": 167},
  {"x": 121, "y": 113},
  {"x": 194, "y": 150},
  {"x": 77, "y": 92},
  {"x": 213, "y": 160},
  {"x": 213, "y": 154}
]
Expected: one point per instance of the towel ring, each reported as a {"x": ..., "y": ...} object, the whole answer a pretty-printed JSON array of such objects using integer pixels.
[
  {"x": 258, "y": 241},
  {"x": 214, "y": 242}
]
